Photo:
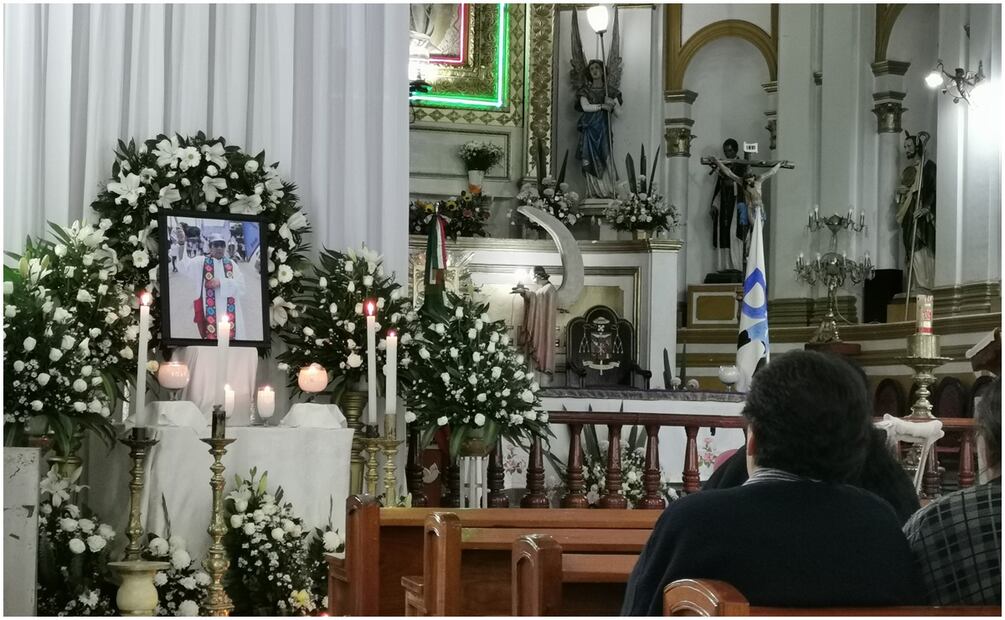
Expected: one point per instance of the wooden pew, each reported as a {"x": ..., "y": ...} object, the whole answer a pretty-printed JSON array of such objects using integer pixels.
[
  {"x": 467, "y": 567},
  {"x": 548, "y": 581},
  {"x": 385, "y": 544},
  {"x": 708, "y": 597}
]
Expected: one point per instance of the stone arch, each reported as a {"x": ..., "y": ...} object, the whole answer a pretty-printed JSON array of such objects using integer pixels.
[{"x": 886, "y": 18}]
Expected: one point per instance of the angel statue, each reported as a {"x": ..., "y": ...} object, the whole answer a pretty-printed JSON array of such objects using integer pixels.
[{"x": 597, "y": 94}]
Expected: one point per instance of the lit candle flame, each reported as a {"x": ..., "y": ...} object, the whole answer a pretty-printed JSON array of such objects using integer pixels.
[
  {"x": 369, "y": 308},
  {"x": 146, "y": 298}
]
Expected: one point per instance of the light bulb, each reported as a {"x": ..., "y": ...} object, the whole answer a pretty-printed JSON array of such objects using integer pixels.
[
  {"x": 934, "y": 79},
  {"x": 598, "y": 18}
]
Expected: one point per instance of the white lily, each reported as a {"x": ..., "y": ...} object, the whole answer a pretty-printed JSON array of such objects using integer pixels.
[
  {"x": 211, "y": 187},
  {"x": 128, "y": 187}
]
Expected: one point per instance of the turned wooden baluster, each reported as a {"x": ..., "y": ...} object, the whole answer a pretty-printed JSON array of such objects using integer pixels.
[
  {"x": 451, "y": 486},
  {"x": 575, "y": 498},
  {"x": 613, "y": 498},
  {"x": 535, "y": 497},
  {"x": 967, "y": 459},
  {"x": 931, "y": 484},
  {"x": 497, "y": 478},
  {"x": 652, "y": 499},
  {"x": 692, "y": 482},
  {"x": 413, "y": 471}
]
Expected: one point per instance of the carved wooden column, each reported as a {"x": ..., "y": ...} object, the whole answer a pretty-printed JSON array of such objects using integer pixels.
[
  {"x": 413, "y": 471},
  {"x": 575, "y": 498},
  {"x": 613, "y": 498},
  {"x": 931, "y": 484},
  {"x": 451, "y": 486},
  {"x": 652, "y": 499},
  {"x": 535, "y": 497},
  {"x": 692, "y": 482},
  {"x": 967, "y": 459},
  {"x": 497, "y": 479}
]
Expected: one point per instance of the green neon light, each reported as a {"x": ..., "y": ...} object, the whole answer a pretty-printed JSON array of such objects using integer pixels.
[{"x": 457, "y": 100}]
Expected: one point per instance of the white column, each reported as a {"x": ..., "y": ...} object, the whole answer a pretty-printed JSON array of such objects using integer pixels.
[
  {"x": 793, "y": 189},
  {"x": 677, "y": 147}
]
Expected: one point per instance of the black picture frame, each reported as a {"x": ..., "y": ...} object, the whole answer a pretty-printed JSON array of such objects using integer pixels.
[{"x": 177, "y": 326}]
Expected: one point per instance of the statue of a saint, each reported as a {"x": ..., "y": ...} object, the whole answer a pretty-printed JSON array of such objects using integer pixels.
[
  {"x": 540, "y": 316},
  {"x": 726, "y": 199},
  {"x": 597, "y": 94},
  {"x": 751, "y": 183},
  {"x": 917, "y": 218}
]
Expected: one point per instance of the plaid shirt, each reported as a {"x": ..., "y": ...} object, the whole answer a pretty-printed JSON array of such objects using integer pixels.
[{"x": 957, "y": 543}]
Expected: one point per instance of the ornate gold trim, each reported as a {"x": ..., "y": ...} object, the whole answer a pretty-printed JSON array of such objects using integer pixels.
[
  {"x": 888, "y": 116},
  {"x": 678, "y": 54},
  {"x": 890, "y": 67},
  {"x": 678, "y": 141},
  {"x": 886, "y": 17},
  {"x": 680, "y": 96},
  {"x": 540, "y": 86},
  {"x": 545, "y": 245}
]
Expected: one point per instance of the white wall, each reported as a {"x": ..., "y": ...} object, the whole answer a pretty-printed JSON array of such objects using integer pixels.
[{"x": 727, "y": 75}]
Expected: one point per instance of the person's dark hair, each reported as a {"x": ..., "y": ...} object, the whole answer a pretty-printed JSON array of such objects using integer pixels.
[
  {"x": 731, "y": 142},
  {"x": 883, "y": 475},
  {"x": 988, "y": 419},
  {"x": 810, "y": 416}
]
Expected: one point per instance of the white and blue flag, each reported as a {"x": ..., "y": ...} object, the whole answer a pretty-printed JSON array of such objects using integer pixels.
[{"x": 752, "y": 341}]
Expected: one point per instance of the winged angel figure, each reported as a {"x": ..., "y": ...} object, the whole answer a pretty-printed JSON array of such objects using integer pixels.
[{"x": 597, "y": 95}]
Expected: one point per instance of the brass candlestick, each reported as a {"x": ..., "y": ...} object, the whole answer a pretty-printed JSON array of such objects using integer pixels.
[
  {"x": 353, "y": 402},
  {"x": 923, "y": 356},
  {"x": 372, "y": 447},
  {"x": 217, "y": 602},
  {"x": 140, "y": 441},
  {"x": 390, "y": 447}
]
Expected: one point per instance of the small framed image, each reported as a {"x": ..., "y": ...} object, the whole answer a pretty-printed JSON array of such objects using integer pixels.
[{"x": 213, "y": 264}]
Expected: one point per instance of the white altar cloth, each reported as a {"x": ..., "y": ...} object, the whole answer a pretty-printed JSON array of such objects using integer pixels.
[
  {"x": 311, "y": 464},
  {"x": 673, "y": 440}
]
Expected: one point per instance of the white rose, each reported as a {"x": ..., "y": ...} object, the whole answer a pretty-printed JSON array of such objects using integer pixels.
[
  {"x": 249, "y": 529},
  {"x": 18, "y": 366},
  {"x": 473, "y": 379},
  {"x": 367, "y": 281},
  {"x": 188, "y": 608},
  {"x": 530, "y": 415},
  {"x": 47, "y": 307},
  {"x": 472, "y": 334},
  {"x": 439, "y": 328},
  {"x": 188, "y": 583},
  {"x": 240, "y": 505},
  {"x": 409, "y": 417},
  {"x": 55, "y": 355},
  {"x": 423, "y": 353},
  {"x": 251, "y": 165},
  {"x": 527, "y": 396},
  {"x": 202, "y": 578},
  {"x": 479, "y": 325},
  {"x": 459, "y": 312},
  {"x": 29, "y": 343},
  {"x": 79, "y": 407},
  {"x": 496, "y": 372},
  {"x": 10, "y": 311},
  {"x": 68, "y": 525},
  {"x": 106, "y": 531},
  {"x": 60, "y": 315},
  {"x": 36, "y": 405},
  {"x": 354, "y": 360},
  {"x": 454, "y": 352},
  {"x": 277, "y": 533},
  {"x": 479, "y": 419},
  {"x": 126, "y": 353},
  {"x": 96, "y": 543},
  {"x": 66, "y": 343},
  {"x": 180, "y": 559},
  {"x": 158, "y": 547},
  {"x": 79, "y": 385},
  {"x": 445, "y": 377},
  {"x": 442, "y": 420},
  {"x": 476, "y": 356},
  {"x": 309, "y": 332},
  {"x": 77, "y": 545},
  {"x": 351, "y": 286},
  {"x": 481, "y": 398}
]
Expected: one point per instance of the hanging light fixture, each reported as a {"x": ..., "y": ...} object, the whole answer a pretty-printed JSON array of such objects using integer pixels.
[{"x": 958, "y": 84}]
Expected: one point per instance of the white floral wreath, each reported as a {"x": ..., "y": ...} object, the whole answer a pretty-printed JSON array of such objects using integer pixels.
[{"x": 202, "y": 174}]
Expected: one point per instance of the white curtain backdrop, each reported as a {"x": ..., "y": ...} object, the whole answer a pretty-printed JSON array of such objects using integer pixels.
[{"x": 321, "y": 88}]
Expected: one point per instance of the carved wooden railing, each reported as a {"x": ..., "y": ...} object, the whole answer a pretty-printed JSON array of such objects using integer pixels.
[{"x": 575, "y": 496}]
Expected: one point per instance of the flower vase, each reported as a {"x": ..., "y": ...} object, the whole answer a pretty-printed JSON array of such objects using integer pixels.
[
  {"x": 474, "y": 444},
  {"x": 475, "y": 180},
  {"x": 641, "y": 234},
  {"x": 68, "y": 461},
  {"x": 352, "y": 403},
  {"x": 137, "y": 594}
]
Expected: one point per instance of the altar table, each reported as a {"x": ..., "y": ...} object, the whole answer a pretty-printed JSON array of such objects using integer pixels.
[{"x": 311, "y": 464}]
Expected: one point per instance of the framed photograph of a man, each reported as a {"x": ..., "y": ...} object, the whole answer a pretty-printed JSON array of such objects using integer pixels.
[{"x": 213, "y": 265}]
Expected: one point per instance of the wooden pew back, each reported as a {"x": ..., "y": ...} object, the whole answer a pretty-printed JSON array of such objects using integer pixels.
[
  {"x": 549, "y": 581},
  {"x": 467, "y": 570},
  {"x": 708, "y": 597}
]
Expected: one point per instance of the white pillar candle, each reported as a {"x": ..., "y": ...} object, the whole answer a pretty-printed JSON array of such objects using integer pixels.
[
  {"x": 925, "y": 311},
  {"x": 313, "y": 378},
  {"x": 371, "y": 362},
  {"x": 391, "y": 385},
  {"x": 172, "y": 375},
  {"x": 266, "y": 402},
  {"x": 223, "y": 350},
  {"x": 139, "y": 401},
  {"x": 228, "y": 400}
]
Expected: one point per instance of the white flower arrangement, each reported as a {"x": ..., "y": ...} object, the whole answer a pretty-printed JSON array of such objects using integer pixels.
[
  {"x": 67, "y": 322},
  {"x": 277, "y": 565},
  {"x": 480, "y": 155},
  {"x": 331, "y": 329},
  {"x": 73, "y": 553},
  {"x": 643, "y": 208},
  {"x": 202, "y": 174},
  {"x": 633, "y": 459},
  {"x": 550, "y": 195},
  {"x": 476, "y": 386},
  {"x": 183, "y": 586}
]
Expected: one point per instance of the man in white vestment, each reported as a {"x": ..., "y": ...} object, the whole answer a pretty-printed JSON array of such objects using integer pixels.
[
  {"x": 221, "y": 291},
  {"x": 537, "y": 333}
]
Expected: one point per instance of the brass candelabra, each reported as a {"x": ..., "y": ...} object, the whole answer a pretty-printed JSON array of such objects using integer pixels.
[
  {"x": 923, "y": 356},
  {"x": 217, "y": 602},
  {"x": 140, "y": 440}
]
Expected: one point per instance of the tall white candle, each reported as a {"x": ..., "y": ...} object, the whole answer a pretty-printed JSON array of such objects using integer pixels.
[
  {"x": 139, "y": 402},
  {"x": 228, "y": 400},
  {"x": 223, "y": 350},
  {"x": 371, "y": 361},
  {"x": 391, "y": 391}
]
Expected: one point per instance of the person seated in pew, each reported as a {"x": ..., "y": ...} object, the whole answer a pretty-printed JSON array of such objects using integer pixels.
[
  {"x": 881, "y": 474},
  {"x": 794, "y": 534},
  {"x": 957, "y": 539}
]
